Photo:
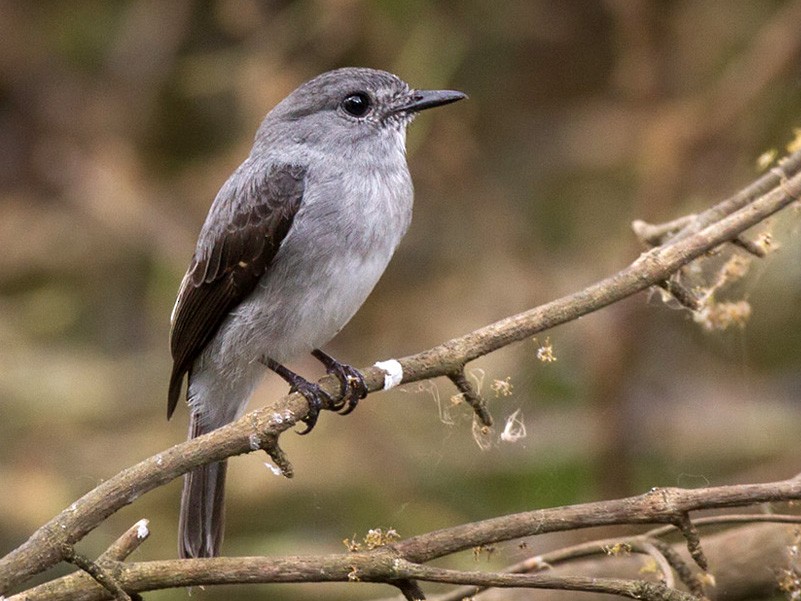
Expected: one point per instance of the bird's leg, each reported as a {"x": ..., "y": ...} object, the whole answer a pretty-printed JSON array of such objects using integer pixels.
[
  {"x": 351, "y": 381},
  {"x": 316, "y": 397}
]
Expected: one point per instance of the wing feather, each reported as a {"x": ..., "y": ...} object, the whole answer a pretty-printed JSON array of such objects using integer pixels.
[{"x": 238, "y": 243}]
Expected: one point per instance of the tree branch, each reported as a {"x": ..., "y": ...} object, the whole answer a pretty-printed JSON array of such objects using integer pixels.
[
  {"x": 748, "y": 561},
  {"x": 394, "y": 562},
  {"x": 660, "y": 505},
  {"x": 260, "y": 429}
]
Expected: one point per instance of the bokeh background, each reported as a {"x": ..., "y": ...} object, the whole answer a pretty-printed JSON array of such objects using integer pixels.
[{"x": 120, "y": 120}]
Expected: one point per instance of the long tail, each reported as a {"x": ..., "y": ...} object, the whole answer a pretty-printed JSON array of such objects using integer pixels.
[{"x": 202, "y": 520}]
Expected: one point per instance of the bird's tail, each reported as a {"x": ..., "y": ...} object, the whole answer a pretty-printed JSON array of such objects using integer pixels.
[{"x": 202, "y": 519}]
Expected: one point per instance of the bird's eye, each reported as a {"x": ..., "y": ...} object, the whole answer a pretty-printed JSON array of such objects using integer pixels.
[{"x": 357, "y": 105}]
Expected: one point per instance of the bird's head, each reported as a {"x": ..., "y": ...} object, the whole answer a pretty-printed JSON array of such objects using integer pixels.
[{"x": 351, "y": 105}]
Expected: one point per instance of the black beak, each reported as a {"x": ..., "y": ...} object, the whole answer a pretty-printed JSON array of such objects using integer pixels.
[{"x": 426, "y": 99}]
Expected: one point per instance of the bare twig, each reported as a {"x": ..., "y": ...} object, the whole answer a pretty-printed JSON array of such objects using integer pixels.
[
  {"x": 681, "y": 293},
  {"x": 373, "y": 566},
  {"x": 119, "y": 550},
  {"x": 129, "y": 542},
  {"x": 690, "y": 532},
  {"x": 750, "y": 247},
  {"x": 659, "y": 556},
  {"x": 471, "y": 396},
  {"x": 656, "y": 234},
  {"x": 410, "y": 590},
  {"x": 681, "y": 567},
  {"x": 98, "y": 573},
  {"x": 740, "y": 518},
  {"x": 633, "y": 589}
]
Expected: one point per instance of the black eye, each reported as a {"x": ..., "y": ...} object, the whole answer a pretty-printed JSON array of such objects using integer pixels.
[{"x": 357, "y": 105}]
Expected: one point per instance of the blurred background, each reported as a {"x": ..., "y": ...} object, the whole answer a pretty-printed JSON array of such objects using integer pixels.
[{"x": 120, "y": 120}]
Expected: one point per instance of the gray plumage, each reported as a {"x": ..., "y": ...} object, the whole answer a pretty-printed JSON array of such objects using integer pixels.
[{"x": 293, "y": 244}]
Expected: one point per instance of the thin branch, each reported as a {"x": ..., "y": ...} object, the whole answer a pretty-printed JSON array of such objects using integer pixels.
[
  {"x": 633, "y": 589},
  {"x": 682, "y": 568},
  {"x": 743, "y": 518},
  {"x": 659, "y": 556},
  {"x": 129, "y": 542},
  {"x": 648, "y": 270},
  {"x": 681, "y": 293},
  {"x": 410, "y": 590},
  {"x": 750, "y": 247},
  {"x": 471, "y": 396},
  {"x": 379, "y": 565},
  {"x": 690, "y": 533},
  {"x": 775, "y": 178},
  {"x": 97, "y": 572},
  {"x": 656, "y": 234}
]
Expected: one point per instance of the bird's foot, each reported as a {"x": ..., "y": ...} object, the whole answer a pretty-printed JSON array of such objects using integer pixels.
[
  {"x": 351, "y": 382},
  {"x": 317, "y": 398}
]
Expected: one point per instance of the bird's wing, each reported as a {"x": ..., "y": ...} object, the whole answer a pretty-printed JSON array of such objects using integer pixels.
[{"x": 241, "y": 237}]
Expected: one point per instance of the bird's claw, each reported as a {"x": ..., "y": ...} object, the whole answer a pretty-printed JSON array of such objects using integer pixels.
[
  {"x": 317, "y": 398},
  {"x": 314, "y": 395},
  {"x": 353, "y": 388}
]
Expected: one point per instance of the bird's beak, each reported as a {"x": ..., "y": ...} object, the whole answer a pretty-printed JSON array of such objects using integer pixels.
[{"x": 426, "y": 99}]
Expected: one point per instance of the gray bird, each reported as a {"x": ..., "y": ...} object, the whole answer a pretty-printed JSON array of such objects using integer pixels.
[{"x": 292, "y": 246}]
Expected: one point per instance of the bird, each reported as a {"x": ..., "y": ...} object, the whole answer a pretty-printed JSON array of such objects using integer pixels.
[{"x": 292, "y": 245}]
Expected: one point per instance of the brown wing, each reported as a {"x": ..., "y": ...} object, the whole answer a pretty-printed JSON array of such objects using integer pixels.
[{"x": 242, "y": 234}]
